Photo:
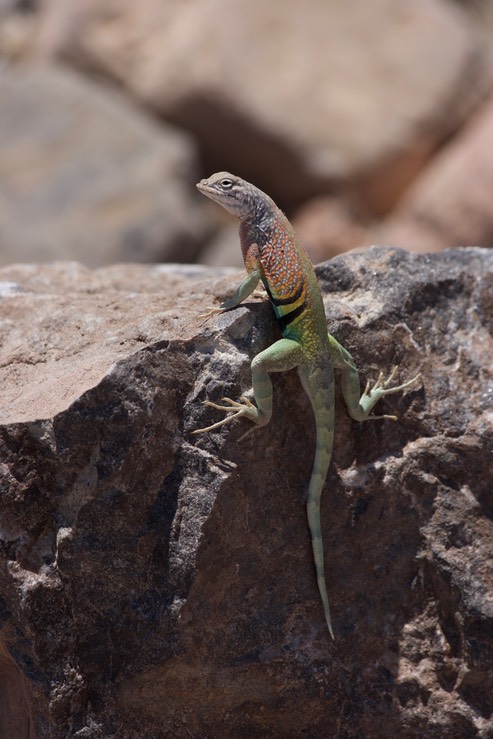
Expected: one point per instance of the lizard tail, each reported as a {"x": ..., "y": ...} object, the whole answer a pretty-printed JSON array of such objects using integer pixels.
[{"x": 323, "y": 452}]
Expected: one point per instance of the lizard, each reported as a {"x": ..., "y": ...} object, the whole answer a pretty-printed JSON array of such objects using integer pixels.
[{"x": 273, "y": 255}]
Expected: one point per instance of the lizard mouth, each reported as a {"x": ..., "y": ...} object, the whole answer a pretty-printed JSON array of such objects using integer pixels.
[
  {"x": 205, "y": 187},
  {"x": 202, "y": 185},
  {"x": 215, "y": 193}
]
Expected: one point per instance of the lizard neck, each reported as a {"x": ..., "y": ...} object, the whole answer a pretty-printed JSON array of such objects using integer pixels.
[{"x": 262, "y": 224}]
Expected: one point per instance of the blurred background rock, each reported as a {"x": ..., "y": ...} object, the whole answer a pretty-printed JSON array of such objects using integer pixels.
[{"x": 366, "y": 122}]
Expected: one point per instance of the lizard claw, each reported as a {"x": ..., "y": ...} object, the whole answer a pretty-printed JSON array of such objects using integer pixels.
[
  {"x": 236, "y": 409},
  {"x": 381, "y": 388},
  {"x": 210, "y": 311}
]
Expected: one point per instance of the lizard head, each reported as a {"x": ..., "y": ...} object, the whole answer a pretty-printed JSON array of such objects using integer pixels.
[{"x": 239, "y": 197}]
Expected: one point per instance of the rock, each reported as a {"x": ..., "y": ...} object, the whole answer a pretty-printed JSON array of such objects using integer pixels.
[
  {"x": 18, "y": 25},
  {"x": 450, "y": 203},
  {"x": 85, "y": 175},
  {"x": 483, "y": 11},
  {"x": 296, "y": 97},
  {"x": 159, "y": 584},
  {"x": 7, "y": 7},
  {"x": 223, "y": 251},
  {"x": 326, "y": 227}
]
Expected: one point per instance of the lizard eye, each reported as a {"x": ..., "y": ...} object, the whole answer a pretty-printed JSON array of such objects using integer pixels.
[{"x": 226, "y": 184}]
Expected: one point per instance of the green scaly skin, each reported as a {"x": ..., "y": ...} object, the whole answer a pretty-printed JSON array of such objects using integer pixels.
[{"x": 273, "y": 254}]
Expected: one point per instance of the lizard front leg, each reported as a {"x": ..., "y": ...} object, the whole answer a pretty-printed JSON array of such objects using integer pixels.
[
  {"x": 360, "y": 405},
  {"x": 284, "y": 355},
  {"x": 245, "y": 288}
]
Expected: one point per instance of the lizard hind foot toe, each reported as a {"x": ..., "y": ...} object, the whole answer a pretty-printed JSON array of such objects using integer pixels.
[
  {"x": 397, "y": 388},
  {"x": 231, "y": 408},
  {"x": 209, "y": 313},
  {"x": 234, "y": 409},
  {"x": 248, "y": 432}
]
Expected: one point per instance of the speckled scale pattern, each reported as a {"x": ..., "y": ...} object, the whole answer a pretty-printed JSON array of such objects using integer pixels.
[
  {"x": 282, "y": 265},
  {"x": 287, "y": 275}
]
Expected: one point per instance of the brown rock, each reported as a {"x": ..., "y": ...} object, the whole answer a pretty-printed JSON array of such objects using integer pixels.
[
  {"x": 86, "y": 175},
  {"x": 17, "y": 30},
  {"x": 481, "y": 11},
  {"x": 15, "y": 700},
  {"x": 298, "y": 97},
  {"x": 157, "y": 584},
  {"x": 327, "y": 227},
  {"x": 450, "y": 204}
]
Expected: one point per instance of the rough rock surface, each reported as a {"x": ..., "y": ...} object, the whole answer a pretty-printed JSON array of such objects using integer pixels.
[
  {"x": 74, "y": 153},
  {"x": 158, "y": 584},
  {"x": 298, "y": 96}
]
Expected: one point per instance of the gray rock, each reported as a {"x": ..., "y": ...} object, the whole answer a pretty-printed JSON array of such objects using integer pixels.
[
  {"x": 158, "y": 584},
  {"x": 85, "y": 175}
]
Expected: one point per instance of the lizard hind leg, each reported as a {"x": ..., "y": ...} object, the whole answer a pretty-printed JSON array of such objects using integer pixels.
[
  {"x": 284, "y": 355},
  {"x": 360, "y": 406}
]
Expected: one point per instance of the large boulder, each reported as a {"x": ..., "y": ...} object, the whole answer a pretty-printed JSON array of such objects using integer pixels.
[{"x": 155, "y": 583}]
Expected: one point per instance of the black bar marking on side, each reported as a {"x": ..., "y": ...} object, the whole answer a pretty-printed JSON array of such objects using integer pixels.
[
  {"x": 285, "y": 320},
  {"x": 286, "y": 301}
]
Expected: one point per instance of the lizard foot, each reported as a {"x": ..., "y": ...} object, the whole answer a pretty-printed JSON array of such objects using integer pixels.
[
  {"x": 246, "y": 409},
  {"x": 373, "y": 394},
  {"x": 210, "y": 311}
]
